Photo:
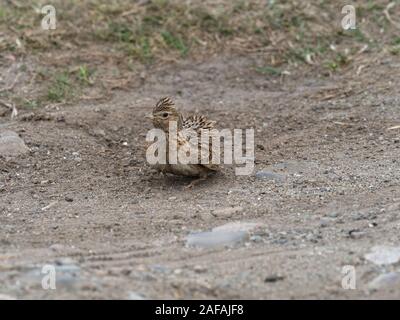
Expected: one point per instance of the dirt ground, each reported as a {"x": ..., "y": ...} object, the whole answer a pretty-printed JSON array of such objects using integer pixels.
[{"x": 85, "y": 200}]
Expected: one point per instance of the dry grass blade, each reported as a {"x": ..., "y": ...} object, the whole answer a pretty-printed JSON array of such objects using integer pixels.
[
  {"x": 393, "y": 128},
  {"x": 342, "y": 123},
  {"x": 388, "y": 17},
  {"x": 12, "y": 85},
  {"x": 12, "y": 107}
]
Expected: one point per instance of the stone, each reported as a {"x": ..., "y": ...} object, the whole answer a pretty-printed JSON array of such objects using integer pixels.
[
  {"x": 383, "y": 255},
  {"x": 323, "y": 223},
  {"x": 132, "y": 295},
  {"x": 99, "y": 132},
  {"x": 386, "y": 280},
  {"x": 215, "y": 239},
  {"x": 66, "y": 261},
  {"x": 57, "y": 247},
  {"x": 237, "y": 226},
  {"x": 269, "y": 175},
  {"x": 159, "y": 268},
  {"x": 11, "y": 145},
  {"x": 333, "y": 214},
  {"x": 273, "y": 278},
  {"x": 256, "y": 238},
  {"x": 226, "y": 212},
  {"x": 6, "y": 297},
  {"x": 356, "y": 234},
  {"x": 199, "y": 269},
  {"x": 67, "y": 276},
  {"x": 178, "y": 271}
]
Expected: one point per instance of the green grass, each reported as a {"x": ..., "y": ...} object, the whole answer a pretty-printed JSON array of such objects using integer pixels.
[
  {"x": 2, "y": 14},
  {"x": 175, "y": 42},
  {"x": 396, "y": 41},
  {"x": 395, "y": 50},
  {"x": 211, "y": 23},
  {"x": 60, "y": 88},
  {"x": 269, "y": 70},
  {"x": 124, "y": 35},
  {"x": 356, "y": 34},
  {"x": 84, "y": 75},
  {"x": 31, "y": 104},
  {"x": 339, "y": 61},
  {"x": 157, "y": 28},
  {"x": 331, "y": 65},
  {"x": 369, "y": 7},
  {"x": 143, "y": 50},
  {"x": 120, "y": 32},
  {"x": 67, "y": 85}
]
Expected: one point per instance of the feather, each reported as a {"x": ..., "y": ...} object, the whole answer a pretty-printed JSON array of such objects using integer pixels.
[
  {"x": 163, "y": 104},
  {"x": 197, "y": 122}
]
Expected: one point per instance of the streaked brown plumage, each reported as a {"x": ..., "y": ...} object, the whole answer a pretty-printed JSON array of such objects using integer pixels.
[{"x": 162, "y": 114}]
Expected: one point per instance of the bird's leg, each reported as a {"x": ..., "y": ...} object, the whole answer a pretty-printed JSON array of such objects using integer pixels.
[
  {"x": 155, "y": 172},
  {"x": 195, "y": 181}
]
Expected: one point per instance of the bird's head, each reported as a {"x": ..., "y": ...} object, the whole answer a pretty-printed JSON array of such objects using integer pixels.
[{"x": 163, "y": 113}]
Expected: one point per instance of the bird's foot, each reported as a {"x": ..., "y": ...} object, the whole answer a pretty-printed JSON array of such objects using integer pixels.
[{"x": 194, "y": 182}]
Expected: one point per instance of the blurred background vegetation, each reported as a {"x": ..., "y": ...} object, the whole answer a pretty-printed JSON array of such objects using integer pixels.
[{"x": 100, "y": 46}]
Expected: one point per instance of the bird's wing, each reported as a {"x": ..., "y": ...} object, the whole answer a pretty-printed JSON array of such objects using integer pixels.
[
  {"x": 197, "y": 122},
  {"x": 186, "y": 141}
]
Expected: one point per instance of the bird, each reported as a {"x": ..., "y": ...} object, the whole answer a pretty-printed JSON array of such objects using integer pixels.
[{"x": 163, "y": 113}]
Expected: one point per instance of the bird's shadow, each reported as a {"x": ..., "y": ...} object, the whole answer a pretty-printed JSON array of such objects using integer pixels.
[{"x": 171, "y": 181}]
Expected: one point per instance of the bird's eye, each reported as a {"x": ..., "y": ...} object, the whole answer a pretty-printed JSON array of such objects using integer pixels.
[{"x": 165, "y": 114}]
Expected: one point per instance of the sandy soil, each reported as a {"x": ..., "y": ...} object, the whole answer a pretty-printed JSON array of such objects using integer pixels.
[{"x": 85, "y": 201}]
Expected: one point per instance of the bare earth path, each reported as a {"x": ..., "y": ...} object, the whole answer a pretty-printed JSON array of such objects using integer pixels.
[{"x": 88, "y": 203}]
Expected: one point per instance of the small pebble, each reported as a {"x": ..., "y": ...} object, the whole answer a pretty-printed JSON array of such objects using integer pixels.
[{"x": 273, "y": 278}]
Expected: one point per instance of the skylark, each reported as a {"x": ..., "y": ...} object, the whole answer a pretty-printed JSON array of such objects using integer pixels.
[{"x": 163, "y": 113}]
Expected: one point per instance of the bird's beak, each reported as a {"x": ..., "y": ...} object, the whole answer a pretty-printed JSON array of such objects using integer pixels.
[{"x": 149, "y": 116}]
